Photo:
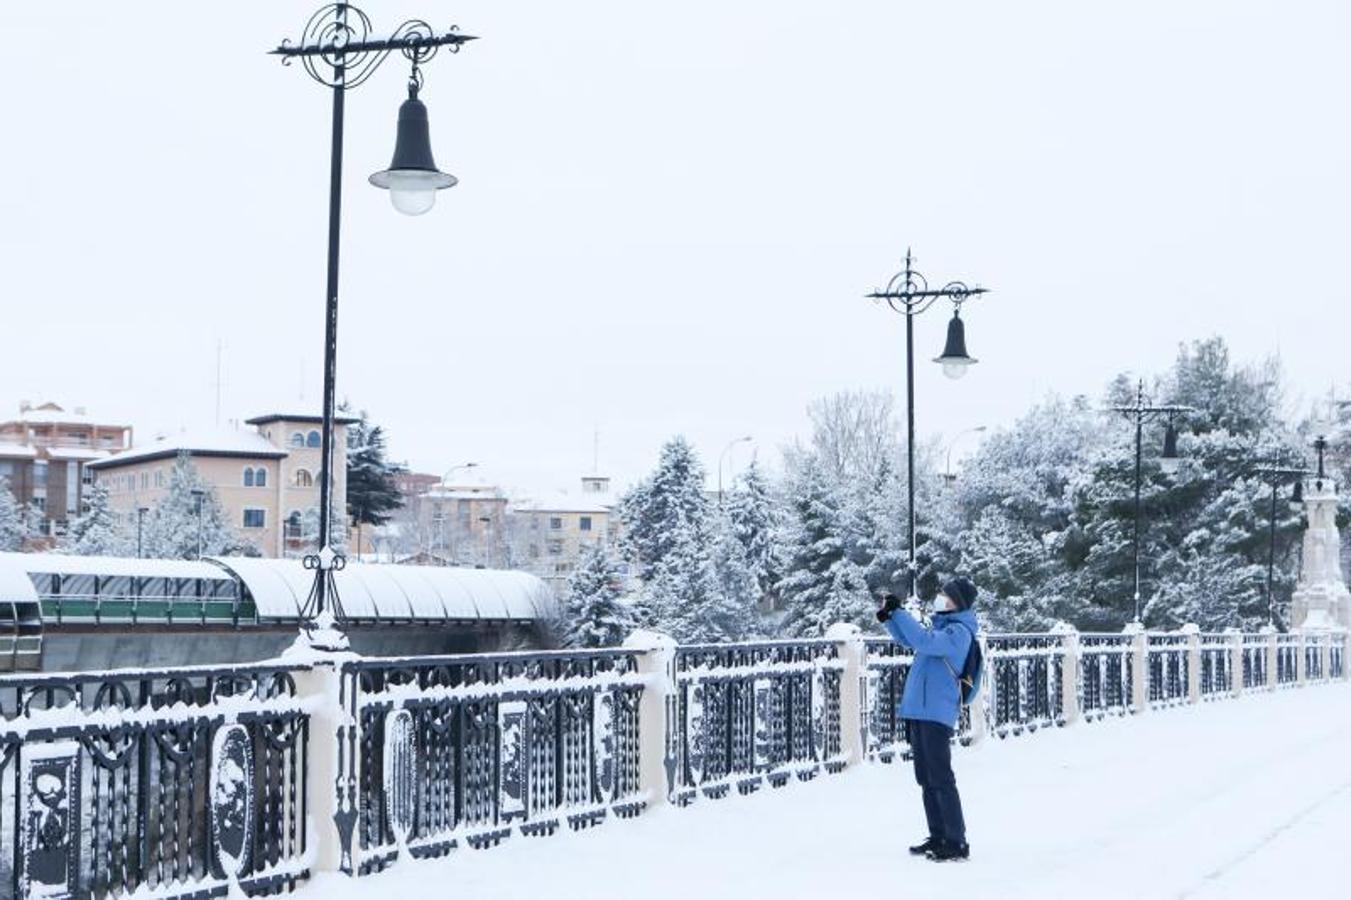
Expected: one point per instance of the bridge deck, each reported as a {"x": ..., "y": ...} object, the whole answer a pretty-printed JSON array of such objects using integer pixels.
[{"x": 1239, "y": 798}]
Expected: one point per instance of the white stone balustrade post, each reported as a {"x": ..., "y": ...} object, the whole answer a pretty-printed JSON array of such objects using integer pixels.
[
  {"x": 1069, "y": 670},
  {"x": 1193, "y": 633},
  {"x": 331, "y": 762},
  {"x": 656, "y": 713},
  {"x": 1235, "y": 660},
  {"x": 1139, "y": 666},
  {"x": 853, "y": 653},
  {"x": 1272, "y": 654}
]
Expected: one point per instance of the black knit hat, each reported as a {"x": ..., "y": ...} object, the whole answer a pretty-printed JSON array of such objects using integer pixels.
[{"x": 961, "y": 591}]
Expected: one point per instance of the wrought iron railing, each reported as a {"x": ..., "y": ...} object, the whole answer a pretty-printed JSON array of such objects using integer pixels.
[
  {"x": 1169, "y": 669},
  {"x": 172, "y": 782},
  {"x": 1314, "y": 646},
  {"x": 1026, "y": 682},
  {"x": 1106, "y": 672},
  {"x": 1287, "y": 659},
  {"x": 464, "y": 748},
  {"x": 886, "y": 669},
  {"x": 1217, "y": 665},
  {"x": 1256, "y": 668},
  {"x": 1336, "y": 654},
  {"x": 747, "y": 714}
]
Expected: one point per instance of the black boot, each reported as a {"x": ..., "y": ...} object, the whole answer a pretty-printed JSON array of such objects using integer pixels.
[
  {"x": 946, "y": 851},
  {"x": 922, "y": 849}
]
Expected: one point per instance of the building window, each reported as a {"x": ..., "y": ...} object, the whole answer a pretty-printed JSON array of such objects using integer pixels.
[
  {"x": 304, "y": 479},
  {"x": 313, "y": 440},
  {"x": 159, "y": 478},
  {"x": 555, "y": 523},
  {"x": 248, "y": 477},
  {"x": 293, "y": 528},
  {"x": 555, "y": 548},
  {"x": 260, "y": 477},
  {"x": 39, "y": 473},
  {"x": 86, "y": 476},
  {"x": 255, "y": 518},
  {"x": 297, "y": 440},
  {"x": 584, "y": 523}
]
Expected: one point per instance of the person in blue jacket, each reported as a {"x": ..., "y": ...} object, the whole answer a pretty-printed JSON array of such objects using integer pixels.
[{"x": 931, "y": 704}]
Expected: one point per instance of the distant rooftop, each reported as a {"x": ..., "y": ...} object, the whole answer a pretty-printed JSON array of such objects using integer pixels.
[
  {"x": 53, "y": 414},
  {"x": 213, "y": 442},
  {"x": 269, "y": 418}
]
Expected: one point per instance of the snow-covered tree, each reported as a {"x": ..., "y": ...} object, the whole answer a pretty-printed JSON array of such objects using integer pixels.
[
  {"x": 173, "y": 528},
  {"x": 100, "y": 530},
  {"x": 595, "y": 611},
  {"x": 372, "y": 495},
  {"x": 754, "y": 518},
  {"x": 12, "y": 528}
]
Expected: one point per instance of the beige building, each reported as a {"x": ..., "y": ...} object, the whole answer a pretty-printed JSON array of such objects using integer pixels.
[
  {"x": 46, "y": 453},
  {"x": 266, "y": 477},
  {"x": 462, "y": 521},
  {"x": 550, "y": 531}
]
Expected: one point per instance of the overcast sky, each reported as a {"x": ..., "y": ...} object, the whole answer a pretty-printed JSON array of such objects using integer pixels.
[{"x": 667, "y": 213}]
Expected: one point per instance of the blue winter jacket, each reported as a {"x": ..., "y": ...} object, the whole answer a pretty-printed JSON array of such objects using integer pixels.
[{"x": 931, "y": 688}]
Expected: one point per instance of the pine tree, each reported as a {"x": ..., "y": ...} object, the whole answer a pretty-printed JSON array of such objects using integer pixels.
[
  {"x": 754, "y": 519},
  {"x": 99, "y": 531},
  {"x": 821, "y": 585},
  {"x": 673, "y": 497},
  {"x": 596, "y": 614},
  {"x": 173, "y": 527},
  {"x": 372, "y": 495},
  {"x": 12, "y": 529}
]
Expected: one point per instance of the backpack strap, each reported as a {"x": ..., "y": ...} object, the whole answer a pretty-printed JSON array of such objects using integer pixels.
[{"x": 955, "y": 674}]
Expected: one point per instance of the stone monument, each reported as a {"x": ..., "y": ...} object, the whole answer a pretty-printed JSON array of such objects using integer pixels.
[{"x": 1321, "y": 599}]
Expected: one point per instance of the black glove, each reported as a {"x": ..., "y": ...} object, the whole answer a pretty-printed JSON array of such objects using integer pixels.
[{"x": 890, "y": 603}]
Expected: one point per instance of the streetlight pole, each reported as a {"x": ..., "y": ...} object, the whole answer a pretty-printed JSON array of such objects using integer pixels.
[
  {"x": 947, "y": 467},
  {"x": 723, "y": 455},
  {"x": 908, "y": 292},
  {"x": 140, "y": 522},
  {"x": 1275, "y": 474},
  {"x": 336, "y": 49},
  {"x": 1141, "y": 412}
]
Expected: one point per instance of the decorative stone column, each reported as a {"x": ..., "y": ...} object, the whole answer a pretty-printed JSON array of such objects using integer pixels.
[
  {"x": 656, "y": 714},
  {"x": 853, "y": 653},
  {"x": 1321, "y": 599}
]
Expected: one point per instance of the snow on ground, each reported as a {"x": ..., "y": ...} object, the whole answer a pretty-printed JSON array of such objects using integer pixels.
[{"x": 1238, "y": 798}]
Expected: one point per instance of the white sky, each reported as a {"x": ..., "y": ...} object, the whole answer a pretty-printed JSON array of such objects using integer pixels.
[{"x": 668, "y": 214}]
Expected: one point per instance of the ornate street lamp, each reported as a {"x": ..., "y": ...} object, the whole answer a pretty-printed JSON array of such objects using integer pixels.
[
  {"x": 1275, "y": 473},
  {"x": 1141, "y": 411},
  {"x": 336, "y": 49},
  {"x": 908, "y": 293}
]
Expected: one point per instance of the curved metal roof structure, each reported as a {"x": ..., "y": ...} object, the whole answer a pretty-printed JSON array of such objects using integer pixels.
[
  {"x": 106, "y": 566},
  {"x": 280, "y": 587}
]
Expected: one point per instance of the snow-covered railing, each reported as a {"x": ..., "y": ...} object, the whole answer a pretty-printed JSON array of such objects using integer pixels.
[
  {"x": 1257, "y": 653},
  {"x": 1287, "y": 659},
  {"x": 174, "y": 783},
  {"x": 169, "y": 783},
  {"x": 1217, "y": 664},
  {"x": 1026, "y": 675},
  {"x": 1106, "y": 667},
  {"x": 462, "y": 749},
  {"x": 749, "y": 714},
  {"x": 1169, "y": 669}
]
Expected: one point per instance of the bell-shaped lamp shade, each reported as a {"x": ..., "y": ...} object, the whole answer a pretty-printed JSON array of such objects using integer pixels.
[
  {"x": 412, "y": 178},
  {"x": 1298, "y": 495},
  {"x": 1170, "y": 460},
  {"x": 955, "y": 360}
]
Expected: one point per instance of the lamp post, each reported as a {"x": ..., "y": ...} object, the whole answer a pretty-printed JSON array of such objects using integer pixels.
[
  {"x": 336, "y": 49},
  {"x": 197, "y": 496},
  {"x": 723, "y": 455},
  {"x": 1275, "y": 474},
  {"x": 1141, "y": 412},
  {"x": 908, "y": 293},
  {"x": 140, "y": 524},
  {"x": 947, "y": 466}
]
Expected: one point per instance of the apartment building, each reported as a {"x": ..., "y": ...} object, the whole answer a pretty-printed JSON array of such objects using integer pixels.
[
  {"x": 46, "y": 453},
  {"x": 265, "y": 476}
]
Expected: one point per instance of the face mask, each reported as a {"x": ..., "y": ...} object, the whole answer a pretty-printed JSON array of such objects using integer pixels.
[{"x": 940, "y": 604}]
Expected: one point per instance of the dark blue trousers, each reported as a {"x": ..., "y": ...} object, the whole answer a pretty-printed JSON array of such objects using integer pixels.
[{"x": 931, "y": 747}]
